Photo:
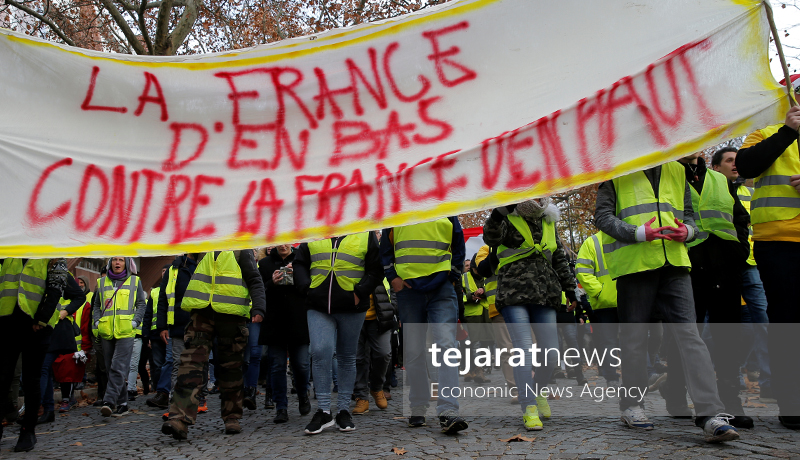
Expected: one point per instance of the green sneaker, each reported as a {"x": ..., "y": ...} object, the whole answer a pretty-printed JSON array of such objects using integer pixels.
[
  {"x": 531, "y": 419},
  {"x": 544, "y": 407}
]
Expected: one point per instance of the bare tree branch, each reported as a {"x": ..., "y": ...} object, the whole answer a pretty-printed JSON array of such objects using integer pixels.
[
  {"x": 143, "y": 26},
  {"x": 45, "y": 20},
  {"x": 148, "y": 6},
  {"x": 123, "y": 25},
  {"x": 162, "y": 28},
  {"x": 184, "y": 26}
]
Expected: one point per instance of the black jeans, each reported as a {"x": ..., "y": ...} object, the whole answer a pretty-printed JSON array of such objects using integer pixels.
[
  {"x": 777, "y": 262},
  {"x": 17, "y": 337}
]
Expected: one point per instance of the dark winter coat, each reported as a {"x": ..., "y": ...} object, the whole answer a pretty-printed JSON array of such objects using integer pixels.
[
  {"x": 285, "y": 322},
  {"x": 385, "y": 309},
  {"x": 533, "y": 280}
]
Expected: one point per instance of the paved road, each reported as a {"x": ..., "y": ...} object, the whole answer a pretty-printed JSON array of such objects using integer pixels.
[{"x": 566, "y": 436}]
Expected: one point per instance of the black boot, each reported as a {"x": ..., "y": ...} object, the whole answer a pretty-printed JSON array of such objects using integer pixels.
[
  {"x": 729, "y": 396},
  {"x": 249, "y": 401},
  {"x": 281, "y": 416},
  {"x": 305, "y": 404},
  {"x": 26, "y": 441},
  {"x": 268, "y": 402},
  {"x": 47, "y": 417}
]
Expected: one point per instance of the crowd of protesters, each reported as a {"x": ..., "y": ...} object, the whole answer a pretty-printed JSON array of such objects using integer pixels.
[{"x": 681, "y": 253}]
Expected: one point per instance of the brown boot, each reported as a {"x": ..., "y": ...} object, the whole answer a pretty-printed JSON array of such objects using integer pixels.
[
  {"x": 175, "y": 428},
  {"x": 470, "y": 375},
  {"x": 380, "y": 399},
  {"x": 480, "y": 377},
  {"x": 362, "y": 406},
  {"x": 232, "y": 426}
]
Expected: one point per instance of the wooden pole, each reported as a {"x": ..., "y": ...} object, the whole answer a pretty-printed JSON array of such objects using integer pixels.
[{"x": 775, "y": 36}]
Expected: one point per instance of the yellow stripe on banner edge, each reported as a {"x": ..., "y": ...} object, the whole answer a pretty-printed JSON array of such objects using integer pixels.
[
  {"x": 248, "y": 241},
  {"x": 385, "y": 30}
]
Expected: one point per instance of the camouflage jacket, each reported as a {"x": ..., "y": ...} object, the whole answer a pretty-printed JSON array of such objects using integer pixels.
[{"x": 532, "y": 280}]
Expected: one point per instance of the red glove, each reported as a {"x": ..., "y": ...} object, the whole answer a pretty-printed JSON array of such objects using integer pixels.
[
  {"x": 681, "y": 233},
  {"x": 651, "y": 233}
]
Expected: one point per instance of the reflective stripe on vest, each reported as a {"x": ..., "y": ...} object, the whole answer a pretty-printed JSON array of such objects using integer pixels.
[
  {"x": 491, "y": 288},
  {"x": 774, "y": 198},
  {"x": 591, "y": 269},
  {"x": 637, "y": 204},
  {"x": 714, "y": 209},
  {"x": 218, "y": 282},
  {"x": 23, "y": 285},
  {"x": 423, "y": 249},
  {"x": 154, "y": 296},
  {"x": 348, "y": 260},
  {"x": 744, "y": 196},
  {"x": 118, "y": 308},
  {"x": 170, "y": 292},
  {"x": 528, "y": 247}
]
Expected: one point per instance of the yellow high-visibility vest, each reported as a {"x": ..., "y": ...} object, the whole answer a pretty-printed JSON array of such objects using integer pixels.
[
  {"x": 218, "y": 282},
  {"x": 117, "y": 307},
  {"x": 637, "y": 204},
  {"x": 348, "y": 260},
  {"x": 592, "y": 272},
  {"x": 423, "y": 249},
  {"x": 24, "y": 285}
]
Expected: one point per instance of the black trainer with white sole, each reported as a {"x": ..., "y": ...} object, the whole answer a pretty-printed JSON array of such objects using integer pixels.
[
  {"x": 319, "y": 422},
  {"x": 345, "y": 421}
]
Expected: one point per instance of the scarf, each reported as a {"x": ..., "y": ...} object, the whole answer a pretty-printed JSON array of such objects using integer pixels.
[{"x": 120, "y": 276}]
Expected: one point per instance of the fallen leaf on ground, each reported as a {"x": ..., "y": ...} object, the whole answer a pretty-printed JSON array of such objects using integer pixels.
[
  {"x": 518, "y": 438},
  {"x": 85, "y": 414},
  {"x": 63, "y": 415},
  {"x": 84, "y": 395},
  {"x": 77, "y": 444},
  {"x": 399, "y": 450},
  {"x": 754, "y": 404},
  {"x": 553, "y": 396},
  {"x": 399, "y": 418}
]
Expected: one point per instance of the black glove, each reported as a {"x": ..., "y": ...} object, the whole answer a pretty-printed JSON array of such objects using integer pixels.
[{"x": 58, "y": 274}]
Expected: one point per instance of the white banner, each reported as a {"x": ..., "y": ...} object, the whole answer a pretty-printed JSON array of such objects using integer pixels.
[{"x": 461, "y": 107}]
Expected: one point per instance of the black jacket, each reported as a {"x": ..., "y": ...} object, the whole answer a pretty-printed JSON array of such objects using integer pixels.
[
  {"x": 718, "y": 255},
  {"x": 186, "y": 267},
  {"x": 63, "y": 338},
  {"x": 385, "y": 309},
  {"x": 334, "y": 299},
  {"x": 285, "y": 322}
]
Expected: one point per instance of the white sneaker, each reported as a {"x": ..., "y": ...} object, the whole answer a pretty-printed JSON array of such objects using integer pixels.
[
  {"x": 719, "y": 429},
  {"x": 635, "y": 417}
]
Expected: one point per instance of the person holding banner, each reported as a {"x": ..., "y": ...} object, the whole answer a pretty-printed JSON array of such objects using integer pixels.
[
  {"x": 30, "y": 290},
  {"x": 651, "y": 265},
  {"x": 532, "y": 273},
  {"x": 771, "y": 157},
  {"x": 754, "y": 306},
  {"x": 117, "y": 312},
  {"x": 219, "y": 297},
  {"x": 336, "y": 312}
]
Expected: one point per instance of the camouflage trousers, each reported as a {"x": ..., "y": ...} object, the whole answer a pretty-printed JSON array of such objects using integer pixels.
[{"x": 231, "y": 334}]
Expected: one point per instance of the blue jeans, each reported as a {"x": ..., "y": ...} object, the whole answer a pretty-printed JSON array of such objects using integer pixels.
[
  {"x": 328, "y": 333},
  {"x": 417, "y": 308},
  {"x": 46, "y": 382},
  {"x": 162, "y": 355},
  {"x": 756, "y": 310},
  {"x": 252, "y": 356},
  {"x": 605, "y": 327},
  {"x": 298, "y": 358},
  {"x": 519, "y": 320}
]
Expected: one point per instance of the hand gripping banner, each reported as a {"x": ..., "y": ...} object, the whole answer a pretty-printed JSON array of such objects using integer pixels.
[{"x": 461, "y": 107}]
